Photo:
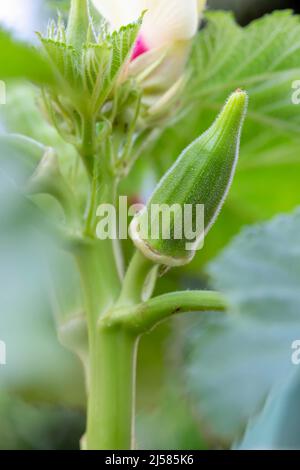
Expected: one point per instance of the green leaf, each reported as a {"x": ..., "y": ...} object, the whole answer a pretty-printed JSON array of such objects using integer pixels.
[
  {"x": 19, "y": 60},
  {"x": 263, "y": 58},
  {"x": 228, "y": 55},
  {"x": 121, "y": 42},
  {"x": 97, "y": 58},
  {"x": 64, "y": 59},
  {"x": 22, "y": 115},
  {"x": 277, "y": 427},
  {"x": 170, "y": 424},
  {"x": 231, "y": 362},
  {"x": 21, "y": 151},
  {"x": 38, "y": 368},
  {"x": 31, "y": 427},
  {"x": 68, "y": 305}
]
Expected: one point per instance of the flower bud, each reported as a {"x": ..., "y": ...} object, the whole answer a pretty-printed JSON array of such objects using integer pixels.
[
  {"x": 48, "y": 179},
  {"x": 202, "y": 175},
  {"x": 160, "y": 53},
  {"x": 161, "y": 74},
  {"x": 78, "y": 24}
]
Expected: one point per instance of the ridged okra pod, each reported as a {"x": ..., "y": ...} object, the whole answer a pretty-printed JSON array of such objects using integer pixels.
[{"x": 200, "y": 177}]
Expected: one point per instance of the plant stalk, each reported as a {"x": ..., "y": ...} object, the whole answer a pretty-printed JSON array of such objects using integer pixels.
[{"x": 111, "y": 397}]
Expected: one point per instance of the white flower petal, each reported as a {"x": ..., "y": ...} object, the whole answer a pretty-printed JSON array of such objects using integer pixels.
[
  {"x": 159, "y": 69},
  {"x": 119, "y": 12},
  {"x": 162, "y": 105},
  {"x": 167, "y": 21}
]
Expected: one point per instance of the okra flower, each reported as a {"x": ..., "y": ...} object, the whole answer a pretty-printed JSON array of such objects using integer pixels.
[{"x": 159, "y": 57}]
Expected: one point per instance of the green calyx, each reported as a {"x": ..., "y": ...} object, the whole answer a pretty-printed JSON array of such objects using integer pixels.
[{"x": 202, "y": 175}]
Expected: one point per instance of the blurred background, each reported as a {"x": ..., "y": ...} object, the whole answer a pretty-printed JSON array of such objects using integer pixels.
[{"x": 41, "y": 387}]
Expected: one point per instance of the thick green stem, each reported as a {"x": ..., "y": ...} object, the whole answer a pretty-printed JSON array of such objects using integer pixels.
[
  {"x": 111, "y": 393},
  {"x": 111, "y": 390},
  {"x": 112, "y": 351},
  {"x": 111, "y": 371},
  {"x": 100, "y": 278},
  {"x": 101, "y": 286}
]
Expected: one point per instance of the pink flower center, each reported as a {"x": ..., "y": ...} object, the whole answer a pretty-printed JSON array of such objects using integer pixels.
[{"x": 139, "y": 48}]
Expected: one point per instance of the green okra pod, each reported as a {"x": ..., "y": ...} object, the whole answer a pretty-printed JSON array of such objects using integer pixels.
[{"x": 198, "y": 182}]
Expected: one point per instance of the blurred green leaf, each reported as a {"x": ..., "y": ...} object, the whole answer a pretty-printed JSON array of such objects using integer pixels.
[
  {"x": 38, "y": 368},
  {"x": 277, "y": 427},
  {"x": 22, "y": 114},
  {"x": 21, "y": 152},
  {"x": 67, "y": 304},
  {"x": 19, "y": 60},
  {"x": 232, "y": 361},
  {"x": 260, "y": 270},
  {"x": 170, "y": 424},
  {"x": 27, "y": 427}
]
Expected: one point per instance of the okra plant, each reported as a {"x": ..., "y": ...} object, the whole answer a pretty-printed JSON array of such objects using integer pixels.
[{"x": 113, "y": 76}]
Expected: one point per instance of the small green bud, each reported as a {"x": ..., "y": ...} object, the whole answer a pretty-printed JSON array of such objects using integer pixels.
[
  {"x": 78, "y": 24},
  {"x": 202, "y": 175},
  {"x": 48, "y": 179},
  {"x": 46, "y": 175},
  {"x": 73, "y": 335},
  {"x": 26, "y": 149}
]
